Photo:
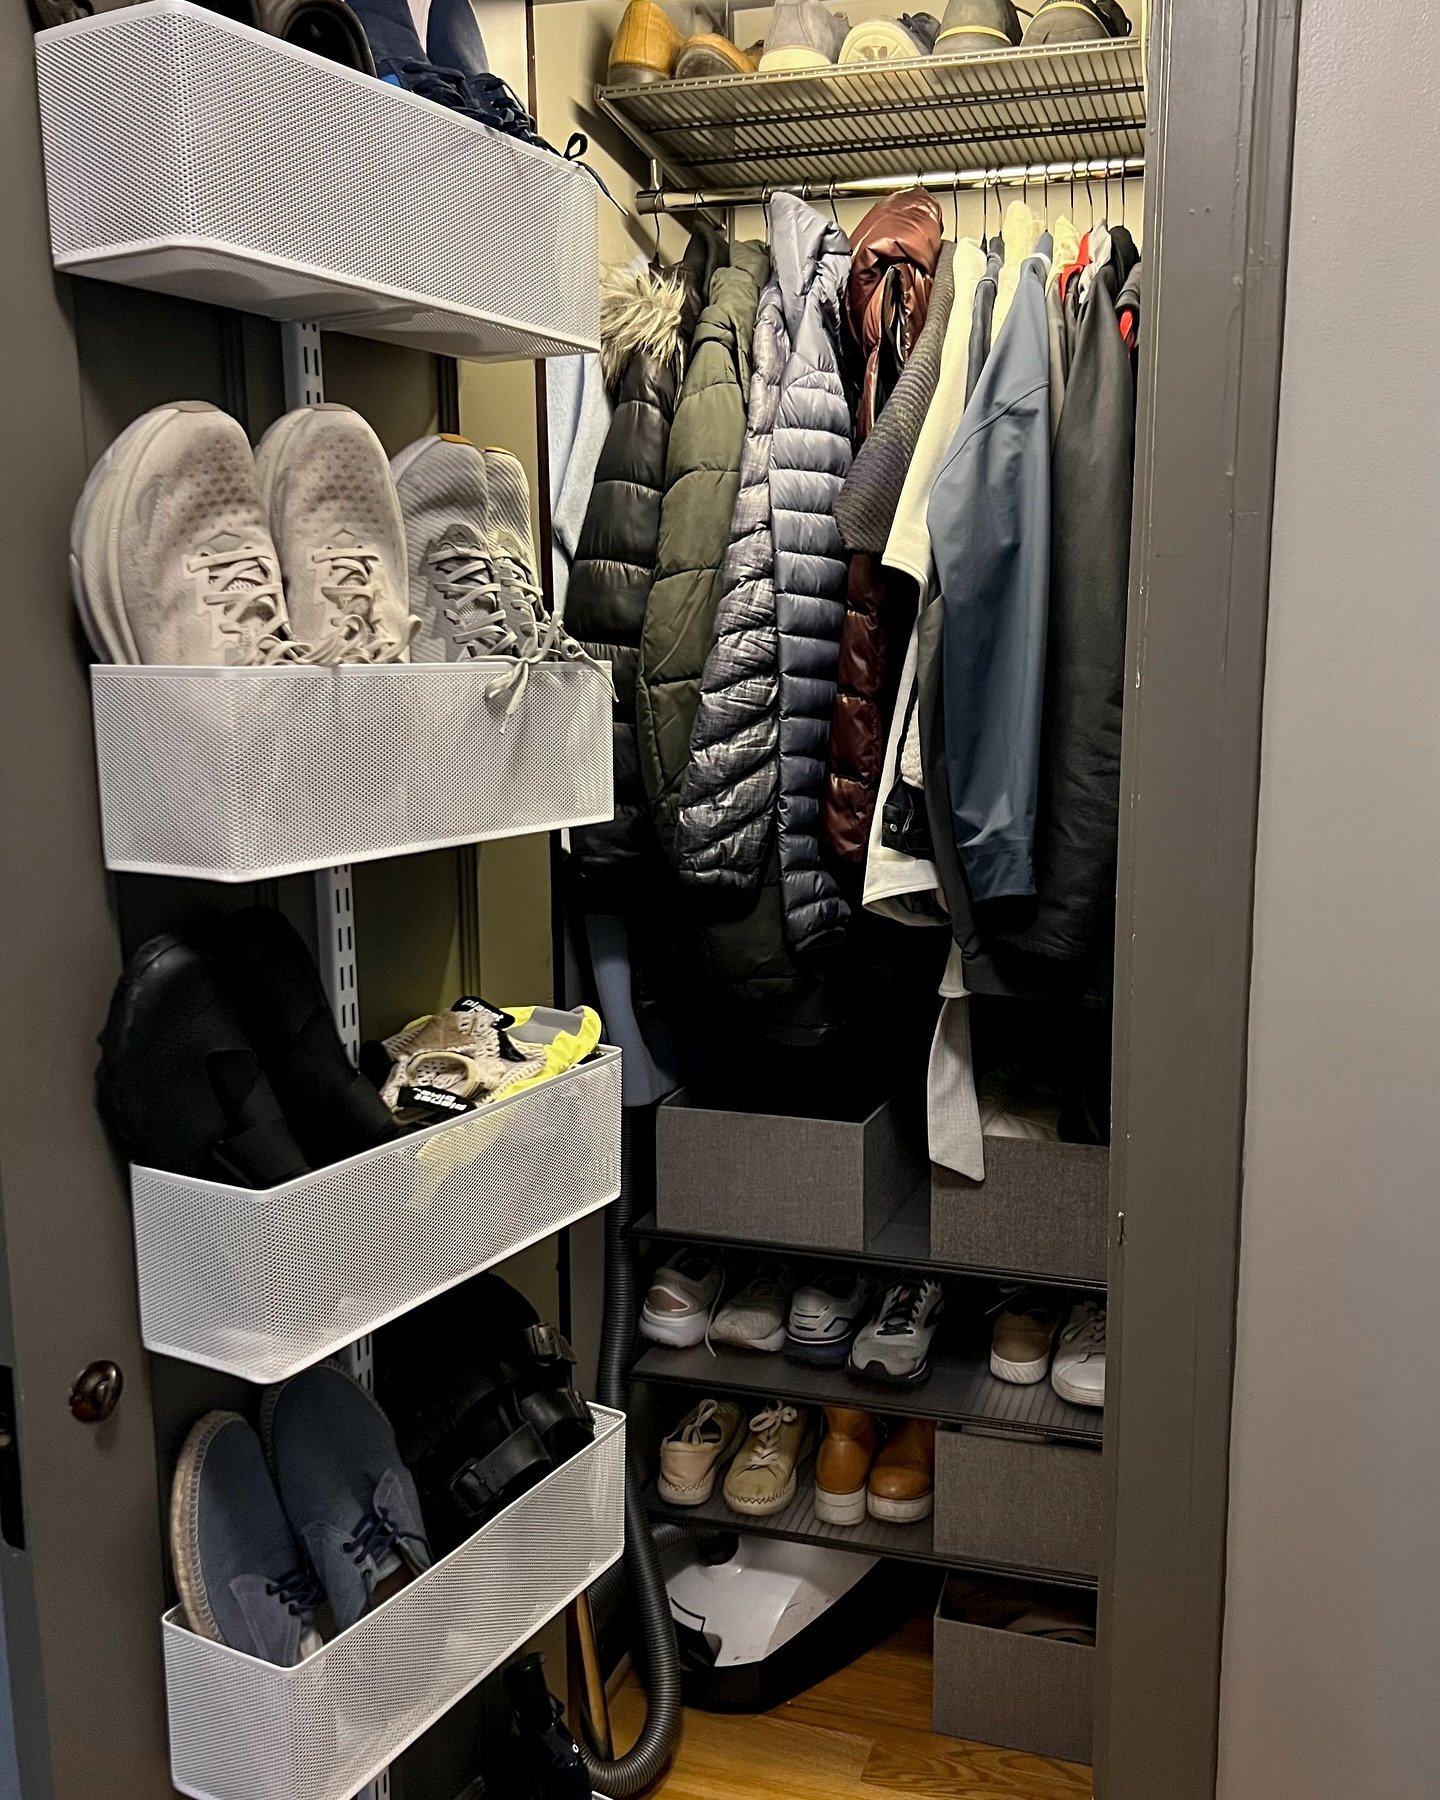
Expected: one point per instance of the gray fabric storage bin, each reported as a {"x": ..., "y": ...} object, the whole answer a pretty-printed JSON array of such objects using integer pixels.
[
  {"x": 1017, "y": 1502},
  {"x": 773, "y": 1178},
  {"x": 1002, "y": 1687},
  {"x": 1042, "y": 1209}
]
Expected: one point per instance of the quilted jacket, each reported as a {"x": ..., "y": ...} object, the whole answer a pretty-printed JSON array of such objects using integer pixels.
[
  {"x": 646, "y": 319},
  {"x": 702, "y": 477},
  {"x": 810, "y": 456},
  {"x": 727, "y": 795}
]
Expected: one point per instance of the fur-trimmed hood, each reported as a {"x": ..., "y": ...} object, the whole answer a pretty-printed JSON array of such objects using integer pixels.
[{"x": 640, "y": 310}]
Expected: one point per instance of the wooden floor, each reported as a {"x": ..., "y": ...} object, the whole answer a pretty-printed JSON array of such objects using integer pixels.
[{"x": 863, "y": 1735}]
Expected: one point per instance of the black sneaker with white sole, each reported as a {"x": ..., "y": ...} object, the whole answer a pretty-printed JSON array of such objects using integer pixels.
[{"x": 895, "y": 1345}]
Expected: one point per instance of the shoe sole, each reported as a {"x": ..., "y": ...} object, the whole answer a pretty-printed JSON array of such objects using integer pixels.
[
  {"x": 94, "y": 571},
  {"x": 972, "y": 40},
  {"x": 881, "y": 40},
  {"x": 1022, "y": 1374},
  {"x": 710, "y": 65},
  {"x": 1076, "y": 1396},
  {"x": 1066, "y": 23},
  {"x": 691, "y": 1496},
  {"x": 794, "y": 61},
  {"x": 840, "y": 1509},
  {"x": 767, "y": 1345},
  {"x": 185, "y": 1525},
  {"x": 674, "y": 1334},
  {"x": 875, "y": 1371},
  {"x": 634, "y": 75},
  {"x": 824, "y": 1356},
  {"x": 901, "y": 1512}
]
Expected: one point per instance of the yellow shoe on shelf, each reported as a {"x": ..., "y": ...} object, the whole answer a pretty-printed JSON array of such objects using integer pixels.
[{"x": 645, "y": 46}]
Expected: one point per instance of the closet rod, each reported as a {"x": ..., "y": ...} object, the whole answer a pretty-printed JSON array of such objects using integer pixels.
[{"x": 662, "y": 200}]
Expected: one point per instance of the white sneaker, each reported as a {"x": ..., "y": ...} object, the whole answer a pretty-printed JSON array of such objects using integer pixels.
[
  {"x": 895, "y": 1345},
  {"x": 1078, "y": 1372},
  {"x": 171, "y": 557},
  {"x": 755, "y": 1318},
  {"x": 825, "y": 1316},
  {"x": 326, "y": 485},
  {"x": 444, "y": 489},
  {"x": 691, "y": 1456},
  {"x": 681, "y": 1297}
]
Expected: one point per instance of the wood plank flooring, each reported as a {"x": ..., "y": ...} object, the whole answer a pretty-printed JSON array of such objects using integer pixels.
[{"x": 863, "y": 1735}]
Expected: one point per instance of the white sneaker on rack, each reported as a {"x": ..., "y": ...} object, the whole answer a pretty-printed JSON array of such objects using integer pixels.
[
  {"x": 1078, "y": 1372},
  {"x": 444, "y": 490},
  {"x": 326, "y": 486},
  {"x": 755, "y": 1318},
  {"x": 680, "y": 1299}
]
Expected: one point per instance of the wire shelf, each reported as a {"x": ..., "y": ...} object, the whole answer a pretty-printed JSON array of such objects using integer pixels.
[{"x": 1082, "y": 101}]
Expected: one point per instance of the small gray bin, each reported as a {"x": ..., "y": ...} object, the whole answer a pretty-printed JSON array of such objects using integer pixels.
[
  {"x": 1004, "y": 1687},
  {"x": 774, "y": 1178},
  {"x": 1042, "y": 1209},
  {"x": 1017, "y": 1503}
]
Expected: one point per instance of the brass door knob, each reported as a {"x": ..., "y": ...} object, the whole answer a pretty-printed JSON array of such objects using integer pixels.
[{"x": 96, "y": 1392}]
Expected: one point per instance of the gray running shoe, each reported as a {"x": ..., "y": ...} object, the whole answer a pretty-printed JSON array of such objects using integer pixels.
[
  {"x": 326, "y": 484},
  {"x": 350, "y": 1499},
  {"x": 243, "y": 1578},
  {"x": 895, "y": 1345},
  {"x": 171, "y": 558},
  {"x": 444, "y": 489},
  {"x": 977, "y": 25},
  {"x": 1076, "y": 22},
  {"x": 803, "y": 35}
]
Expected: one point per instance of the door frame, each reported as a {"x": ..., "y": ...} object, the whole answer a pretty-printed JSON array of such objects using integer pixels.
[{"x": 1218, "y": 166}]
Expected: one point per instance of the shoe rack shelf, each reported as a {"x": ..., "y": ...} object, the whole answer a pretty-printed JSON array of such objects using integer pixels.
[
  {"x": 194, "y": 155},
  {"x": 890, "y": 120},
  {"x": 242, "y": 1729},
  {"x": 245, "y": 774},
  {"x": 261, "y": 1283},
  {"x": 961, "y": 1389},
  {"x": 798, "y": 1524}
]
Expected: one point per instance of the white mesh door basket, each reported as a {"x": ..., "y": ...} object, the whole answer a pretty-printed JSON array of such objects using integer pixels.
[
  {"x": 243, "y": 774},
  {"x": 242, "y": 1729},
  {"x": 191, "y": 154},
  {"x": 263, "y": 1282}
]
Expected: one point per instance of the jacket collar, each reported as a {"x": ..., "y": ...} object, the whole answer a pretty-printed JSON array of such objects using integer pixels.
[{"x": 808, "y": 252}]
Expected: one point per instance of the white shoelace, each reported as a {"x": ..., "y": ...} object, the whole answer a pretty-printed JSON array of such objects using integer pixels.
[
  {"x": 245, "y": 585},
  {"x": 693, "y": 1431},
  {"x": 349, "y": 585},
  {"x": 551, "y": 641},
  {"x": 1088, "y": 1333},
  {"x": 767, "y": 1426}
]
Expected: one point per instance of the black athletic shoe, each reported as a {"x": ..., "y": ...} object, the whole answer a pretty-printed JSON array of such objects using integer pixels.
[
  {"x": 180, "y": 1083},
  {"x": 332, "y": 1109}
]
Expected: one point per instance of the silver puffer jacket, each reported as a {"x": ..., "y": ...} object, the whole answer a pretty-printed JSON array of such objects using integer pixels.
[{"x": 761, "y": 736}]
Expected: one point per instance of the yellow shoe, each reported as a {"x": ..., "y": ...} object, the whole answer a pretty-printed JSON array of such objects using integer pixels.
[
  {"x": 711, "y": 54},
  {"x": 645, "y": 46}
]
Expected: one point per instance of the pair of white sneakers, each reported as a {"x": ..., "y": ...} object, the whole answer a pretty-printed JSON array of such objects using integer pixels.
[{"x": 187, "y": 549}]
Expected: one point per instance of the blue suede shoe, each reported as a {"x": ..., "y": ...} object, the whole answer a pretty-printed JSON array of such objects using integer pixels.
[
  {"x": 350, "y": 1499},
  {"x": 242, "y": 1576}
]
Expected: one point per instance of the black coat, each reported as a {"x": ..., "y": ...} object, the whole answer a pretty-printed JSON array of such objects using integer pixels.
[{"x": 605, "y": 608}]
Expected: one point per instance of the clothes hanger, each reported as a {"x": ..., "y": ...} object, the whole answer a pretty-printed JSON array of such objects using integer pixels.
[
  {"x": 955, "y": 203},
  {"x": 834, "y": 210}
]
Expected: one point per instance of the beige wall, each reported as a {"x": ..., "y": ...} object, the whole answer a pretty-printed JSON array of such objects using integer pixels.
[{"x": 1332, "y": 1638}]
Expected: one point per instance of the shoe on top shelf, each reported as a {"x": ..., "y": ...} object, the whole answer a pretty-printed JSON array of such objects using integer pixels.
[
  {"x": 901, "y": 1489},
  {"x": 842, "y": 1465},
  {"x": 977, "y": 25},
  {"x": 755, "y": 1318},
  {"x": 803, "y": 34},
  {"x": 826, "y": 1314},
  {"x": 645, "y": 46},
  {"x": 326, "y": 486},
  {"x": 1076, "y": 22},
  {"x": 709, "y": 53},
  {"x": 691, "y": 1456},
  {"x": 762, "y": 1478},
  {"x": 1078, "y": 1372},
  {"x": 889, "y": 40},
  {"x": 1023, "y": 1338},
  {"x": 350, "y": 1499},
  {"x": 243, "y": 1576},
  {"x": 171, "y": 555},
  {"x": 680, "y": 1299},
  {"x": 895, "y": 1345}
]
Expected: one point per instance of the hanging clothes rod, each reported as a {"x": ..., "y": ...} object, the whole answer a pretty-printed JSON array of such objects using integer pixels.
[{"x": 667, "y": 200}]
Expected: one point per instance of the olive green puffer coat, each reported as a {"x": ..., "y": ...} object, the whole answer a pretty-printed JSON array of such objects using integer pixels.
[{"x": 702, "y": 475}]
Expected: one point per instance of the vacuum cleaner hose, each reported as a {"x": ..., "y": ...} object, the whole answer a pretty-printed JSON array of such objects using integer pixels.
[{"x": 656, "y": 1656}]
